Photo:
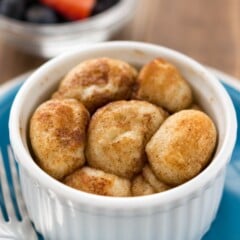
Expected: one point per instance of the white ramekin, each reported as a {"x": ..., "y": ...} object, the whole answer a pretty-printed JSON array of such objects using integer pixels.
[{"x": 185, "y": 212}]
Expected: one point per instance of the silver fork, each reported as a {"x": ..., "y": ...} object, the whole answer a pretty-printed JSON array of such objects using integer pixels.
[{"x": 13, "y": 228}]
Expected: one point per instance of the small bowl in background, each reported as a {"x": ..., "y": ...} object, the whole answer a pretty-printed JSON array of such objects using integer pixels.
[
  {"x": 53, "y": 39},
  {"x": 182, "y": 213}
]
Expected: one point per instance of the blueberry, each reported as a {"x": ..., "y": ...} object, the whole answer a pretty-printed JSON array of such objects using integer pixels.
[
  {"x": 102, "y": 5},
  {"x": 40, "y": 14},
  {"x": 31, "y": 2},
  {"x": 12, "y": 8}
]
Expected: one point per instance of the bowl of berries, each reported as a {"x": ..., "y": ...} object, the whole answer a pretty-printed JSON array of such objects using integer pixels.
[{"x": 49, "y": 27}]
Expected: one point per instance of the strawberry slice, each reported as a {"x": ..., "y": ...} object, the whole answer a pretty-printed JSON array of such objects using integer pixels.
[{"x": 72, "y": 9}]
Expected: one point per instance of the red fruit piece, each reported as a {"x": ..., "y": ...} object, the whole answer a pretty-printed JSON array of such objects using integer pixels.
[{"x": 71, "y": 9}]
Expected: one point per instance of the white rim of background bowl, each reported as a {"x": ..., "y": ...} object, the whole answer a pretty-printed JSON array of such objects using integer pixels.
[
  {"x": 101, "y": 20},
  {"x": 174, "y": 195}
]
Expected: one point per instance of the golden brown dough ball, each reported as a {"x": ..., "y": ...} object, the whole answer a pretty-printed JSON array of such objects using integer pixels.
[
  {"x": 160, "y": 82},
  {"x": 98, "y": 81},
  {"x": 182, "y": 146},
  {"x": 98, "y": 182},
  {"x": 141, "y": 187},
  {"x": 58, "y": 136},
  {"x": 153, "y": 180},
  {"x": 118, "y": 133}
]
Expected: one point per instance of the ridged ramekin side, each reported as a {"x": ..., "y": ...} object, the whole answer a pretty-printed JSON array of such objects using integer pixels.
[{"x": 188, "y": 219}]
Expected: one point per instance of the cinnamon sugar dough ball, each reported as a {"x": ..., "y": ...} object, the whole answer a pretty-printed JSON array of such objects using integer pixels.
[
  {"x": 98, "y": 182},
  {"x": 182, "y": 146},
  {"x": 98, "y": 81},
  {"x": 160, "y": 82},
  {"x": 147, "y": 183},
  {"x": 118, "y": 133},
  {"x": 58, "y": 136},
  {"x": 150, "y": 177},
  {"x": 141, "y": 187}
]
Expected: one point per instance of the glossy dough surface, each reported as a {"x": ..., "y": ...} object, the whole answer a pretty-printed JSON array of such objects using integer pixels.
[
  {"x": 58, "y": 136},
  {"x": 98, "y": 81},
  {"x": 159, "y": 82},
  {"x": 182, "y": 146},
  {"x": 98, "y": 182},
  {"x": 118, "y": 133}
]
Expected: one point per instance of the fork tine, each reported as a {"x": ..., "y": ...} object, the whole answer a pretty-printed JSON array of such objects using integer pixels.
[
  {"x": 2, "y": 219},
  {"x": 1, "y": 215},
  {"x": 16, "y": 185},
  {"x": 6, "y": 190},
  {"x": 19, "y": 197}
]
